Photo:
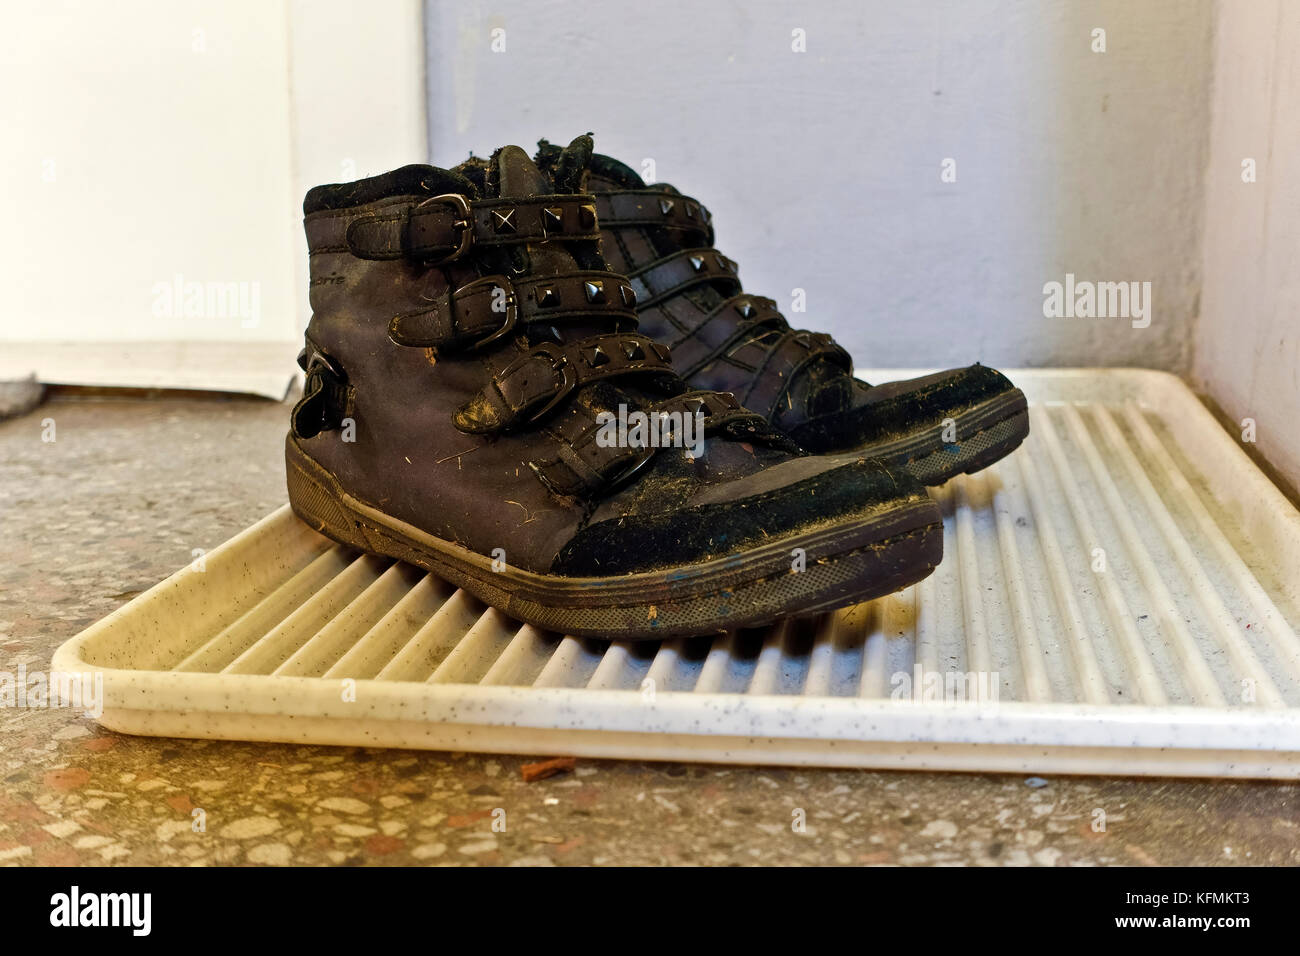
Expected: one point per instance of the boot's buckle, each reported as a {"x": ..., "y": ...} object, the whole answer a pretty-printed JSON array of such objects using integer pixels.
[
  {"x": 463, "y": 224},
  {"x": 511, "y": 303},
  {"x": 561, "y": 365},
  {"x": 311, "y": 360},
  {"x": 625, "y": 474}
]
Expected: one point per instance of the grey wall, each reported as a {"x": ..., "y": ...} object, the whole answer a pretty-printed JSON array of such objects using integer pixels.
[
  {"x": 1248, "y": 338},
  {"x": 822, "y": 168}
]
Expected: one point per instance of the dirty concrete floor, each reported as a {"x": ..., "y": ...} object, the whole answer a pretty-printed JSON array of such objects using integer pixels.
[{"x": 129, "y": 488}]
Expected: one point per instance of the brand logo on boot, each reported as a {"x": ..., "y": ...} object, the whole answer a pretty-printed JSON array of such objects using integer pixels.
[{"x": 656, "y": 430}]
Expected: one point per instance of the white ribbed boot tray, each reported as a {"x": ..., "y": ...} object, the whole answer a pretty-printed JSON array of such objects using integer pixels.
[{"x": 1178, "y": 658}]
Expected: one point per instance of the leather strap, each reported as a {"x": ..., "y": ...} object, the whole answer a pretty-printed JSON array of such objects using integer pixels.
[
  {"x": 584, "y": 465},
  {"x": 784, "y": 360},
  {"x": 484, "y": 310},
  {"x": 444, "y": 228},
  {"x": 740, "y": 316},
  {"x": 723, "y": 413},
  {"x": 702, "y": 335},
  {"x": 719, "y": 411},
  {"x": 326, "y": 395},
  {"x": 531, "y": 386},
  {"x": 680, "y": 271},
  {"x": 654, "y": 207}
]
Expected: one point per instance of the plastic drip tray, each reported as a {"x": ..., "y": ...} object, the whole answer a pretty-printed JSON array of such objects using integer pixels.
[{"x": 1114, "y": 598}]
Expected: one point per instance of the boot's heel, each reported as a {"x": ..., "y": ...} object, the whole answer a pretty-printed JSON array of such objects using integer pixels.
[{"x": 313, "y": 501}]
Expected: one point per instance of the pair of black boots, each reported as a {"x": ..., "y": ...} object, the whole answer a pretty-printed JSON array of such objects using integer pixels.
[{"x": 540, "y": 381}]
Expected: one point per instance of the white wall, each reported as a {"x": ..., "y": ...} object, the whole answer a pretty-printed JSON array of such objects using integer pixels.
[
  {"x": 154, "y": 138},
  {"x": 143, "y": 142},
  {"x": 357, "y": 74},
  {"x": 822, "y": 168},
  {"x": 164, "y": 145},
  {"x": 1248, "y": 337}
]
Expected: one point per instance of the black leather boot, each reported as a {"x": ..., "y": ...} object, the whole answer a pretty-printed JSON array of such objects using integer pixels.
[
  {"x": 467, "y": 350},
  {"x": 690, "y": 297}
]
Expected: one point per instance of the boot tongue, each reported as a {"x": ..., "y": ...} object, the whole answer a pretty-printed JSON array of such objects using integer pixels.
[
  {"x": 518, "y": 176},
  {"x": 515, "y": 176}
]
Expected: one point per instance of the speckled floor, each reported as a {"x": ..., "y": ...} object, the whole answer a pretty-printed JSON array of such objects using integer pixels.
[{"x": 130, "y": 487}]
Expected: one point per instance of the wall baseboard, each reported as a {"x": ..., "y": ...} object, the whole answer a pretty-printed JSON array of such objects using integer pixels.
[{"x": 255, "y": 368}]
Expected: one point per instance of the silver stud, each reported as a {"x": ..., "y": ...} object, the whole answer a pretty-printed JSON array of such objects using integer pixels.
[
  {"x": 697, "y": 263},
  {"x": 595, "y": 289},
  {"x": 553, "y": 218},
  {"x": 503, "y": 222},
  {"x": 666, "y": 206}
]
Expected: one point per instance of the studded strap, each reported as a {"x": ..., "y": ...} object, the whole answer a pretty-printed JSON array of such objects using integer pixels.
[
  {"x": 482, "y": 311},
  {"x": 710, "y": 339},
  {"x": 653, "y": 207},
  {"x": 680, "y": 271},
  {"x": 531, "y": 386},
  {"x": 720, "y": 412},
  {"x": 702, "y": 335},
  {"x": 513, "y": 221},
  {"x": 784, "y": 360},
  {"x": 444, "y": 228}
]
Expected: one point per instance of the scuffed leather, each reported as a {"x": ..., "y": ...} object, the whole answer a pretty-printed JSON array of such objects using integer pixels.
[{"x": 489, "y": 489}]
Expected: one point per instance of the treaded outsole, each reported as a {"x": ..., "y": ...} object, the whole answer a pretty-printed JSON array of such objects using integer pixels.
[
  {"x": 844, "y": 564},
  {"x": 985, "y": 433}
]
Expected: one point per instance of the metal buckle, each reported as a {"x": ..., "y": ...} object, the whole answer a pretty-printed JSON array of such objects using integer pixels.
[
  {"x": 512, "y": 307},
  {"x": 625, "y": 474},
  {"x": 312, "y": 359},
  {"x": 560, "y": 364},
  {"x": 464, "y": 223}
]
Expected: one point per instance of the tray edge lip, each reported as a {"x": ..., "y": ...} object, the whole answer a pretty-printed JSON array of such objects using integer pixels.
[
  {"x": 1152, "y": 383},
  {"x": 744, "y": 714}
]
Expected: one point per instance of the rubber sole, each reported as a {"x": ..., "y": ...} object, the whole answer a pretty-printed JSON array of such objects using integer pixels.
[
  {"x": 984, "y": 434},
  {"x": 842, "y": 564}
]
